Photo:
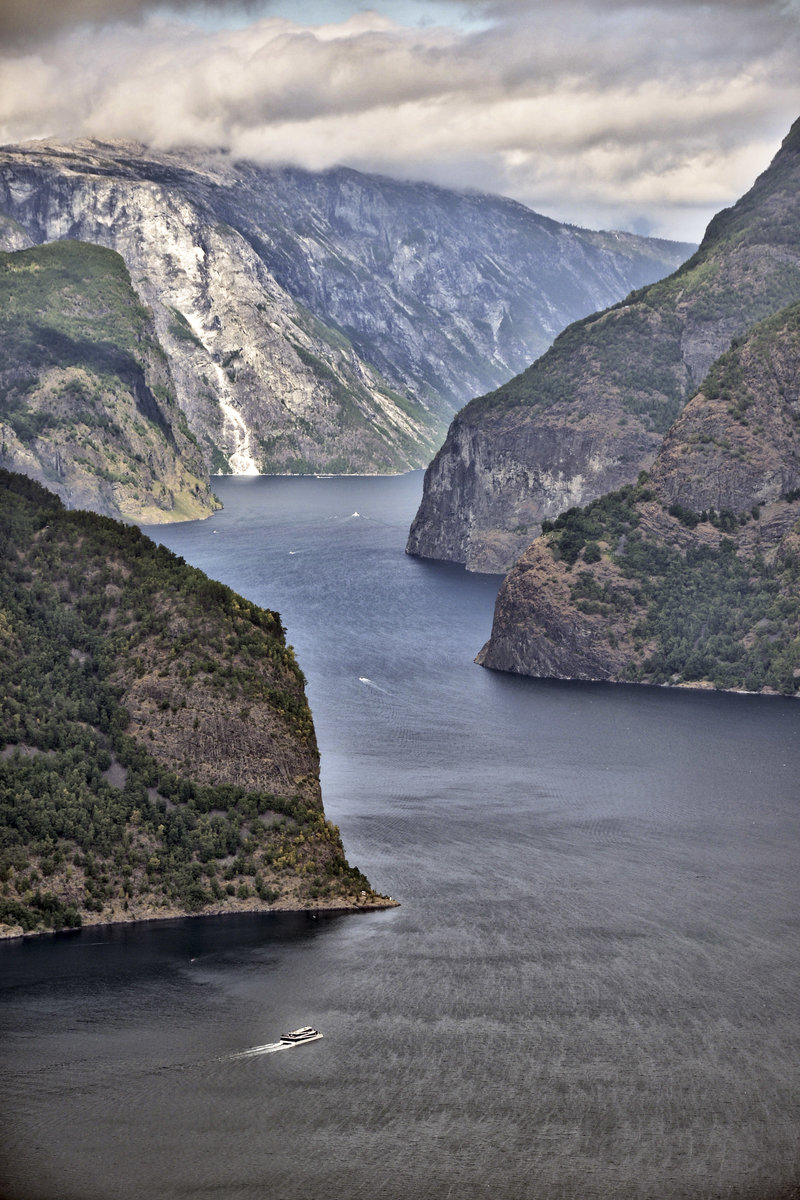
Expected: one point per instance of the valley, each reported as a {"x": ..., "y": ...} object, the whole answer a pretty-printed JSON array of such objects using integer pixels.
[{"x": 320, "y": 322}]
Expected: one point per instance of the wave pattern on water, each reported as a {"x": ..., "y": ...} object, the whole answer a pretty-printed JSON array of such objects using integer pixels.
[{"x": 591, "y": 989}]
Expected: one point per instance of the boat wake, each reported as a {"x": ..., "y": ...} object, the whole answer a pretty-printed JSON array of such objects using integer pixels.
[
  {"x": 297, "y": 1037},
  {"x": 369, "y": 683},
  {"x": 257, "y": 1051}
]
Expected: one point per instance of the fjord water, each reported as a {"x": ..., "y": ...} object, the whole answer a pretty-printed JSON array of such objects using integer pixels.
[{"x": 591, "y": 988}]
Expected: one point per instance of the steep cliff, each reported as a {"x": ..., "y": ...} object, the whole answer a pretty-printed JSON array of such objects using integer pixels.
[
  {"x": 590, "y": 414},
  {"x": 157, "y": 753},
  {"x": 87, "y": 402},
  {"x": 689, "y": 576},
  {"x": 322, "y": 322},
  {"x": 445, "y": 292}
]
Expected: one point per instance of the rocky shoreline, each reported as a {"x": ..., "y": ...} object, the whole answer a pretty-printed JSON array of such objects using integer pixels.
[{"x": 373, "y": 903}]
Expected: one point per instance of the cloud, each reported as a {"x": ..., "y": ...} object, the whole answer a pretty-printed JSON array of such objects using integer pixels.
[
  {"x": 609, "y": 113},
  {"x": 33, "y": 20}
]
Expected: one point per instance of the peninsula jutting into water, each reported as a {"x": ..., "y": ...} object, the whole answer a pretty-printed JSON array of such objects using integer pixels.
[{"x": 158, "y": 752}]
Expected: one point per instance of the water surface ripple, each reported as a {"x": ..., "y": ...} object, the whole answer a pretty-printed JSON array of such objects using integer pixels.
[{"x": 590, "y": 990}]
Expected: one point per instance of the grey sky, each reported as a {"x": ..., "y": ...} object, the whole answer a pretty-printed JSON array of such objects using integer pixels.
[{"x": 601, "y": 112}]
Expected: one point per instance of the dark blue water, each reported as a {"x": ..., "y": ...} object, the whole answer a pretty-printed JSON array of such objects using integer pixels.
[{"x": 590, "y": 990}]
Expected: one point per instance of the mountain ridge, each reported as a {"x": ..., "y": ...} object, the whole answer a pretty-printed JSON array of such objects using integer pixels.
[
  {"x": 319, "y": 323},
  {"x": 590, "y": 414}
]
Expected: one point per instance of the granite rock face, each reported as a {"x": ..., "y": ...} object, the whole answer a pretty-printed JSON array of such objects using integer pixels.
[
  {"x": 321, "y": 322},
  {"x": 263, "y": 386},
  {"x": 493, "y": 483},
  {"x": 591, "y": 413}
]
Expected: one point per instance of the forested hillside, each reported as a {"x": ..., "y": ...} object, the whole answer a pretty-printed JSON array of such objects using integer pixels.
[{"x": 157, "y": 753}]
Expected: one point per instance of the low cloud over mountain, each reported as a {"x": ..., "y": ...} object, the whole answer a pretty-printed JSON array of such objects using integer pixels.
[{"x": 615, "y": 115}]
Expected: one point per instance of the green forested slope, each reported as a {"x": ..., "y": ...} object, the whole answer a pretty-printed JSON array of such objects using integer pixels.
[
  {"x": 87, "y": 403},
  {"x": 157, "y": 754}
]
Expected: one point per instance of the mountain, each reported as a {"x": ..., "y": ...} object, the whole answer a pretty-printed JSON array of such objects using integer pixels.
[
  {"x": 321, "y": 322},
  {"x": 87, "y": 401},
  {"x": 157, "y": 753},
  {"x": 591, "y": 413},
  {"x": 690, "y": 576}
]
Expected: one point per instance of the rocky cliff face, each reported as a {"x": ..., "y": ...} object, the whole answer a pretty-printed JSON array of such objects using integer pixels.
[
  {"x": 263, "y": 385},
  {"x": 446, "y": 293},
  {"x": 737, "y": 442},
  {"x": 591, "y": 413},
  {"x": 493, "y": 483},
  {"x": 690, "y": 576},
  {"x": 321, "y": 322},
  {"x": 87, "y": 401}
]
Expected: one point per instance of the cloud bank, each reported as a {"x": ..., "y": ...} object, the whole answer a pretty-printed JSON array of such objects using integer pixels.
[{"x": 607, "y": 114}]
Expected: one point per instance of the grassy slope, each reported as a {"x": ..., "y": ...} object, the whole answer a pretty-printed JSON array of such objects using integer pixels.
[{"x": 157, "y": 754}]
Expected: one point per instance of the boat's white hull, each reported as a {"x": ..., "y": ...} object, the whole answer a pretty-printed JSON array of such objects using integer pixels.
[{"x": 296, "y": 1037}]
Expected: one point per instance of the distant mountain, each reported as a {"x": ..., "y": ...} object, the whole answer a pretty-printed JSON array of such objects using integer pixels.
[
  {"x": 321, "y": 322},
  {"x": 157, "y": 753},
  {"x": 591, "y": 413},
  {"x": 690, "y": 576},
  {"x": 87, "y": 401}
]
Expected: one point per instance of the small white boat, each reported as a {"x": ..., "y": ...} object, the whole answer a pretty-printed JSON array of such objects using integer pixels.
[{"x": 305, "y": 1034}]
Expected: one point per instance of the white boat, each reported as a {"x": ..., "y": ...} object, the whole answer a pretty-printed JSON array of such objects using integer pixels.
[{"x": 305, "y": 1034}]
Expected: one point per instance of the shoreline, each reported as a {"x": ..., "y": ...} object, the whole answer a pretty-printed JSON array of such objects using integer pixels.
[
  {"x": 699, "y": 685},
  {"x": 315, "y": 474},
  {"x": 379, "y": 904}
]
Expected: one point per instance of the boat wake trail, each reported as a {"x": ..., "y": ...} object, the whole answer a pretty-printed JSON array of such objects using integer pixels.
[
  {"x": 257, "y": 1051},
  {"x": 369, "y": 683}
]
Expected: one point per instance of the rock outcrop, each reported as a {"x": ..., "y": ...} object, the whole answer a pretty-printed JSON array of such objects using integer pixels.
[
  {"x": 590, "y": 414},
  {"x": 689, "y": 576},
  {"x": 321, "y": 322},
  {"x": 737, "y": 442}
]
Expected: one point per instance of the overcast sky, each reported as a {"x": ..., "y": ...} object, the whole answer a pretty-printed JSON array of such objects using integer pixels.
[{"x": 605, "y": 113}]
